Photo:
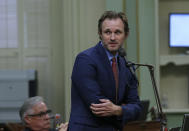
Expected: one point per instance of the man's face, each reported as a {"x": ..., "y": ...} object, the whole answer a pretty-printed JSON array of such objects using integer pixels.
[
  {"x": 39, "y": 119},
  {"x": 112, "y": 34}
]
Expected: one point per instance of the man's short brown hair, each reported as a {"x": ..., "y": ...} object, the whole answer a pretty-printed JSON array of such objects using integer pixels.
[{"x": 113, "y": 15}]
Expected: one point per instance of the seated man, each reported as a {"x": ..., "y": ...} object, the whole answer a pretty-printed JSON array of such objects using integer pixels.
[{"x": 35, "y": 115}]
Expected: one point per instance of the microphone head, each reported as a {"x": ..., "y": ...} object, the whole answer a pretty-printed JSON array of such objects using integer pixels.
[
  {"x": 122, "y": 52},
  {"x": 129, "y": 64}
]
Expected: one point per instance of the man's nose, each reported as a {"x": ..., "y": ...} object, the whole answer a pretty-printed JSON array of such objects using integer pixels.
[
  {"x": 112, "y": 37},
  {"x": 47, "y": 116}
]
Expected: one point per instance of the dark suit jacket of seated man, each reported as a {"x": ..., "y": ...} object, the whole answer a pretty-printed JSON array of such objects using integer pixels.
[{"x": 98, "y": 103}]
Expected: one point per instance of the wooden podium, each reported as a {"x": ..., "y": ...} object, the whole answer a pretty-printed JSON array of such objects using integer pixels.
[{"x": 143, "y": 126}]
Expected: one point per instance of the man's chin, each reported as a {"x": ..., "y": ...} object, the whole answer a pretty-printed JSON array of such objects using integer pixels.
[
  {"x": 47, "y": 126},
  {"x": 113, "y": 51}
]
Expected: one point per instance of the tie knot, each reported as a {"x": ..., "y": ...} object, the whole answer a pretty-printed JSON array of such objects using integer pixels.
[{"x": 113, "y": 59}]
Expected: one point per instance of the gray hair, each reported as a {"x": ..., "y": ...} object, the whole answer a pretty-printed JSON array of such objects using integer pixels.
[{"x": 26, "y": 108}]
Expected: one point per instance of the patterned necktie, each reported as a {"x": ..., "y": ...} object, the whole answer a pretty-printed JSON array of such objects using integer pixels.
[{"x": 115, "y": 71}]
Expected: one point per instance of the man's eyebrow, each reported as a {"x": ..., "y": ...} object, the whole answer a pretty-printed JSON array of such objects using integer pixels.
[{"x": 107, "y": 29}]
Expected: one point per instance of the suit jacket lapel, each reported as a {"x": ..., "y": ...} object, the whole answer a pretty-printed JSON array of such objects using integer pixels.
[
  {"x": 104, "y": 58},
  {"x": 107, "y": 66},
  {"x": 122, "y": 77}
]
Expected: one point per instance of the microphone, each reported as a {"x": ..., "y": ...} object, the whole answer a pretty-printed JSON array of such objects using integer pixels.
[{"x": 123, "y": 54}]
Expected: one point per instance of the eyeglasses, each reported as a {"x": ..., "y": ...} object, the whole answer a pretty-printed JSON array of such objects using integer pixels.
[{"x": 41, "y": 114}]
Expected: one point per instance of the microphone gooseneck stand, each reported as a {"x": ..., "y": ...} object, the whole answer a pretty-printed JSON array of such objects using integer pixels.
[{"x": 161, "y": 116}]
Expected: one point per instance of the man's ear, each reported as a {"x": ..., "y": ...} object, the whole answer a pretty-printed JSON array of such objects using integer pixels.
[
  {"x": 27, "y": 119},
  {"x": 100, "y": 35},
  {"x": 126, "y": 35}
]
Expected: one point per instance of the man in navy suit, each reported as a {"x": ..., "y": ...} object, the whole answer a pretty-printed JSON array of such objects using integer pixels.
[{"x": 100, "y": 100}]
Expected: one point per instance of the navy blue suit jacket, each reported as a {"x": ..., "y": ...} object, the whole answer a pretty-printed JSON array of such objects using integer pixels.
[{"x": 92, "y": 79}]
